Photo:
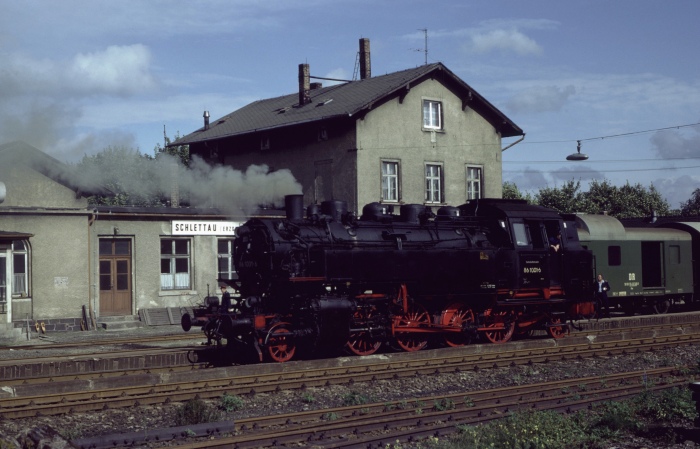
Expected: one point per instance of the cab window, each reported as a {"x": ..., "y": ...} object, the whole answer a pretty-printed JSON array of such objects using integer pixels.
[{"x": 521, "y": 235}]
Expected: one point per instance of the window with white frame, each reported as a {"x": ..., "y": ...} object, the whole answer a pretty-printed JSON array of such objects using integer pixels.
[
  {"x": 390, "y": 181},
  {"x": 433, "y": 183},
  {"x": 175, "y": 264},
  {"x": 225, "y": 259},
  {"x": 432, "y": 114},
  {"x": 20, "y": 278},
  {"x": 474, "y": 182},
  {"x": 3, "y": 287}
]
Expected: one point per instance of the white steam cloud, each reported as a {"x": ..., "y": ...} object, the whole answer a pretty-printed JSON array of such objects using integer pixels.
[
  {"x": 234, "y": 191},
  {"x": 202, "y": 185}
]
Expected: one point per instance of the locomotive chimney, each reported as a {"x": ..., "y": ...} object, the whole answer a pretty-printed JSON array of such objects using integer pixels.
[
  {"x": 206, "y": 120},
  {"x": 294, "y": 207},
  {"x": 365, "y": 64},
  {"x": 304, "y": 84}
]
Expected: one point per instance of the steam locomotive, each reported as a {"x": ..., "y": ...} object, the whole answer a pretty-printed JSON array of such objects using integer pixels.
[{"x": 326, "y": 279}]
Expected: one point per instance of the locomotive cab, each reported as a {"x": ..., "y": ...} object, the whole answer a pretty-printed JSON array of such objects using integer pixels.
[{"x": 542, "y": 258}]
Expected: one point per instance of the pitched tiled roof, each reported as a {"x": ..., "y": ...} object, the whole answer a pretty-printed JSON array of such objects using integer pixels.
[
  {"x": 343, "y": 100},
  {"x": 19, "y": 152}
]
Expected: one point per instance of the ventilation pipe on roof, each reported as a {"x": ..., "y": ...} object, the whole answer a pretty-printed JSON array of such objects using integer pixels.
[
  {"x": 304, "y": 84},
  {"x": 365, "y": 63},
  {"x": 206, "y": 120}
]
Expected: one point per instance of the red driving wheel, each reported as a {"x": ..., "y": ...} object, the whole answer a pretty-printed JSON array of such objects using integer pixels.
[
  {"x": 280, "y": 347},
  {"x": 556, "y": 331},
  {"x": 503, "y": 327},
  {"x": 406, "y": 328},
  {"x": 362, "y": 343},
  {"x": 456, "y": 315}
]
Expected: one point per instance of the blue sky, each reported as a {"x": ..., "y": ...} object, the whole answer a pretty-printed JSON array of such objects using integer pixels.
[{"x": 77, "y": 76}]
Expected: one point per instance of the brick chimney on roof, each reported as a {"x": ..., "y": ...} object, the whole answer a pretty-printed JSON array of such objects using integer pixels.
[
  {"x": 304, "y": 84},
  {"x": 365, "y": 64}
]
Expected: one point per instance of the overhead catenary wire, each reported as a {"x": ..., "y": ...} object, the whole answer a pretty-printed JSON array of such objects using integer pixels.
[
  {"x": 612, "y": 136},
  {"x": 584, "y": 171}
]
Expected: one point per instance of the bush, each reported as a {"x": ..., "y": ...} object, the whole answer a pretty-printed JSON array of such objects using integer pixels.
[
  {"x": 355, "y": 398},
  {"x": 584, "y": 429},
  {"x": 230, "y": 403},
  {"x": 195, "y": 411},
  {"x": 525, "y": 430},
  {"x": 667, "y": 406}
]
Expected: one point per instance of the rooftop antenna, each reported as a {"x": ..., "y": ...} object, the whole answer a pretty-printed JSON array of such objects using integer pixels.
[{"x": 425, "y": 47}]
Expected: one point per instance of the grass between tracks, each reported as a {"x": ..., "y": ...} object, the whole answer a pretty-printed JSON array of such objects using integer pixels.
[{"x": 656, "y": 416}]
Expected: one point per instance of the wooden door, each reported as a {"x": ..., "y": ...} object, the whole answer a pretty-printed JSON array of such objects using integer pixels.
[{"x": 115, "y": 277}]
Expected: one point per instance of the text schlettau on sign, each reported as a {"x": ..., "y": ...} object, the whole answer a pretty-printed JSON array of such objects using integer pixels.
[{"x": 203, "y": 227}]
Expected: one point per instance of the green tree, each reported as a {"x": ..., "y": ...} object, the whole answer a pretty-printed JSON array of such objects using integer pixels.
[
  {"x": 567, "y": 199},
  {"x": 511, "y": 192},
  {"x": 182, "y": 152},
  {"x": 125, "y": 172},
  {"x": 638, "y": 201},
  {"x": 628, "y": 201},
  {"x": 692, "y": 206}
]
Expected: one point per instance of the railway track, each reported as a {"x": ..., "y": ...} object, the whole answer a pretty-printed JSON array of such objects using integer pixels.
[
  {"x": 127, "y": 391},
  {"x": 146, "y": 355},
  {"x": 380, "y": 424}
]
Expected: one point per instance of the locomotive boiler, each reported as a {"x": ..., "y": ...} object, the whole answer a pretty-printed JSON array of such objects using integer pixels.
[{"x": 322, "y": 278}]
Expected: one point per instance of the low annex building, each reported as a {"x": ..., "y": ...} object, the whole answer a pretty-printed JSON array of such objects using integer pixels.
[{"x": 63, "y": 261}]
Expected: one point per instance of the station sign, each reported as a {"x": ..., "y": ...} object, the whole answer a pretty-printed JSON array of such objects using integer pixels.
[{"x": 181, "y": 227}]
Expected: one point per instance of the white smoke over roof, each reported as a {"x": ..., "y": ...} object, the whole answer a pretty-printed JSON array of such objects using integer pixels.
[
  {"x": 202, "y": 185},
  {"x": 233, "y": 190}
]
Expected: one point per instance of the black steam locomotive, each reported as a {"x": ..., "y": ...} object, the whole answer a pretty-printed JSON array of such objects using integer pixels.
[{"x": 326, "y": 279}]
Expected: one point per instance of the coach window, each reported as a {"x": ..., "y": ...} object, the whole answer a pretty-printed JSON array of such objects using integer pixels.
[
  {"x": 225, "y": 257},
  {"x": 614, "y": 256},
  {"x": 175, "y": 264},
  {"x": 390, "y": 181},
  {"x": 20, "y": 265}
]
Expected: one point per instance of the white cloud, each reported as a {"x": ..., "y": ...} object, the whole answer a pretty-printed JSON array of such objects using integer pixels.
[
  {"x": 677, "y": 190},
  {"x": 505, "y": 41},
  {"x": 541, "y": 99},
  {"x": 118, "y": 70},
  {"x": 674, "y": 144}
]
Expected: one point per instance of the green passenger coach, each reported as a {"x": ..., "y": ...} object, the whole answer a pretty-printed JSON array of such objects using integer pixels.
[{"x": 645, "y": 266}]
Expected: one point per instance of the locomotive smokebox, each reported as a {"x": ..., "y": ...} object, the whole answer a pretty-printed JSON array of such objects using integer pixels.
[{"x": 294, "y": 207}]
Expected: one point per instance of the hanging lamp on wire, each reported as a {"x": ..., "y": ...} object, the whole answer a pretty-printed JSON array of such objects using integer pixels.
[{"x": 578, "y": 156}]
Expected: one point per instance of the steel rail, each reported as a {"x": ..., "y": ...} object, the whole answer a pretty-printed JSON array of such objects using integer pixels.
[
  {"x": 379, "y": 424},
  {"x": 128, "y": 396}
]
